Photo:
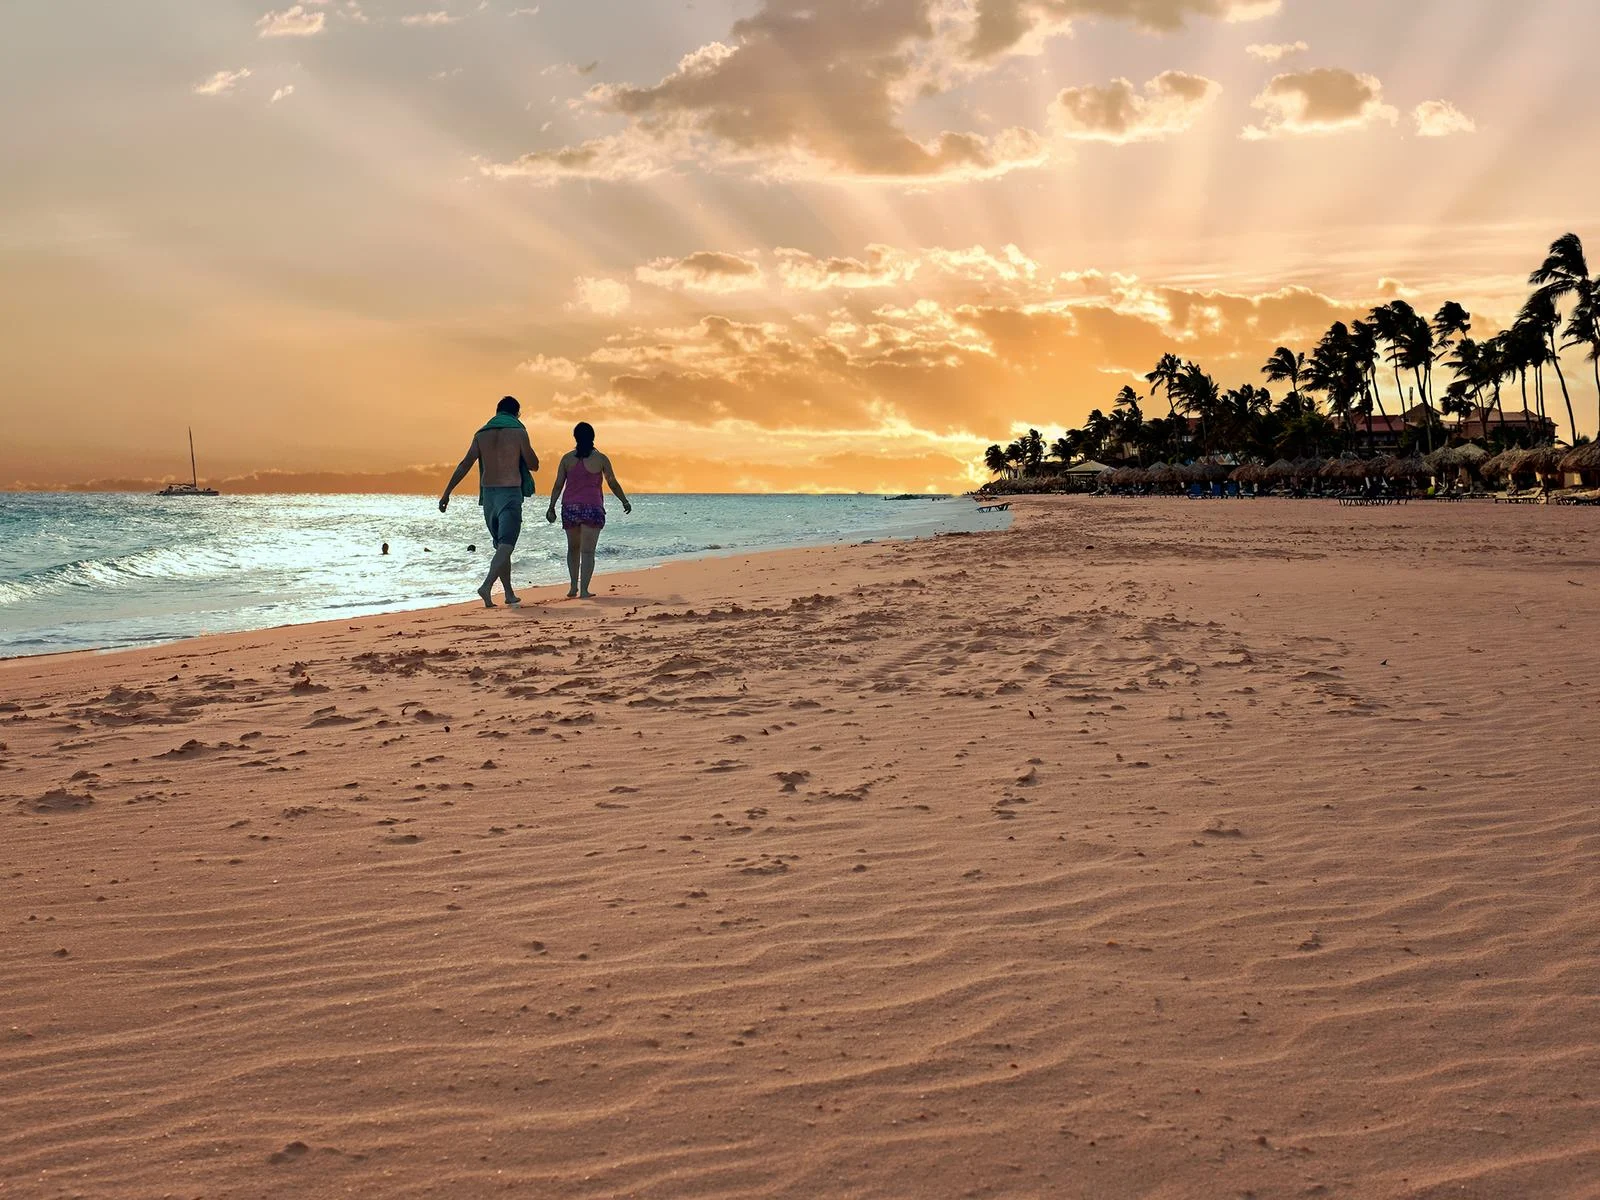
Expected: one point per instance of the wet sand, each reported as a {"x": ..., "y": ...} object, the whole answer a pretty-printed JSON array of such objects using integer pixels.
[{"x": 1157, "y": 849}]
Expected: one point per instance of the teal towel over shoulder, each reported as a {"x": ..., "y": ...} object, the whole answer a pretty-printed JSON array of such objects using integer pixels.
[{"x": 505, "y": 421}]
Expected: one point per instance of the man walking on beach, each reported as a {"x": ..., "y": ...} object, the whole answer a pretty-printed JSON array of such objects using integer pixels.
[{"x": 506, "y": 463}]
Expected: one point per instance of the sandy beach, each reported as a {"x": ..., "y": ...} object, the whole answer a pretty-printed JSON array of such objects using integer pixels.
[{"x": 1153, "y": 849}]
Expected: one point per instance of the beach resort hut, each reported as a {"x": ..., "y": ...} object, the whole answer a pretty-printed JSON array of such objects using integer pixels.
[
  {"x": 1082, "y": 477},
  {"x": 1545, "y": 461},
  {"x": 1413, "y": 468},
  {"x": 1510, "y": 465},
  {"x": 1584, "y": 462},
  {"x": 1163, "y": 475}
]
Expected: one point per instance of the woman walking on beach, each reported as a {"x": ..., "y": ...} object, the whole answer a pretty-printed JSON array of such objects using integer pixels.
[{"x": 583, "y": 508}]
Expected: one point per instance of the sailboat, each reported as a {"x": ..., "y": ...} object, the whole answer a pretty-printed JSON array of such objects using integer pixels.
[{"x": 192, "y": 488}]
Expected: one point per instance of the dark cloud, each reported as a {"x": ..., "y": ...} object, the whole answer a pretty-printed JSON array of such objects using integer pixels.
[
  {"x": 1320, "y": 100},
  {"x": 1118, "y": 112}
]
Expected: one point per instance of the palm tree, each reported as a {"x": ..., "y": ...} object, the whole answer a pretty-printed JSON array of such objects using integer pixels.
[
  {"x": 1522, "y": 348},
  {"x": 1565, "y": 270},
  {"x": 1494, "y": 365},
  {"x": 1583, "y": 328},
  {"x": 1016, "y": 457},
  {"x": 1334, "y": 371},
  {"x": 1540, "y": 313},
  {"x": 1364, "y": 350},
  {"x": 1411, "y": 347},
  {"x": 1198, "y": 395},
  {"x": 1062, "y": 450},
  {"x": 1286, "y": 366},
  {"x": 1096, "y": 431},
  {"x": 995, "y": 459},
  {"x": 1033, "y": 451},
  {"x": 1165, "y": 375}
]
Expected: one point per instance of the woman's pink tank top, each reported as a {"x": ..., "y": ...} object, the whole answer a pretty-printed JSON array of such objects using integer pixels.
[{"x": 583, "y": 485}]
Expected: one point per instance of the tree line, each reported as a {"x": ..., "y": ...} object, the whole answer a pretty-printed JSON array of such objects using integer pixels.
[{"x": 1343, "y": 379}]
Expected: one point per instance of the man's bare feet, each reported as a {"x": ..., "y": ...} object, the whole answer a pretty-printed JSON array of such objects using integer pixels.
[
  {"x": 483, "y": 594},
  {"x": 572, "y": 593},
  {"x": 585, "y": 595},
  {"x": 513, "y": 601}
]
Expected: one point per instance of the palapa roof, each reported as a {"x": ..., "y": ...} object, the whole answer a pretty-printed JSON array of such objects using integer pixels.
[
  {"x": 1507, "y": 462},
  {"x": 1409, "y": 468},
  {"x": 1546, "y": 458},
  {"x": 1584, "y": 458}
]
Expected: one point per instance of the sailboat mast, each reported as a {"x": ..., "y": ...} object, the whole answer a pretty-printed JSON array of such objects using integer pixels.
[{"x": 194, "y": 475}]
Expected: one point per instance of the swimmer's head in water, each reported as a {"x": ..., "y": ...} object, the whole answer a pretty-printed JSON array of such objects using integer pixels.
[
  {"x": 508, "y": 406},
  {"x": 583, "y": 435}
]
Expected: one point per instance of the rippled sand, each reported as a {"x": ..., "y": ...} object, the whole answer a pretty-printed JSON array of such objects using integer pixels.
[{"x": 1155, "y": 849}]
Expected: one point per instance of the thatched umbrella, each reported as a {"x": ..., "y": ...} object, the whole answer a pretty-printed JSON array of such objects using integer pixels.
[
  {"x": 1584, "y": 458},
  {"x": 1443, "y": 459},
  {"x": 1282, "y": 469},
  {"x": 1162, "y": 474},
  {"x": 1409, "y": 468},
  {"x": 1345, "y": 468},
  {"x": 1507, "y": 462},
  {"x": 1546, "y": 460},
  {"x": 1470, "y": 455},
  {"x": 1307, "y": 468},
  {"x": 1333, "y": 468},
  {"x": 1244, "y": 474}
]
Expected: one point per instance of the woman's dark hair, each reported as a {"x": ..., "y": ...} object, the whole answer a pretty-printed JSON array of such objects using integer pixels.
[{"x": 583, "y": 434}]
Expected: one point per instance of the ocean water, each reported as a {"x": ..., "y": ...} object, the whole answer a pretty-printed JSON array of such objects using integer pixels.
[{"x": 84, "y": 572}]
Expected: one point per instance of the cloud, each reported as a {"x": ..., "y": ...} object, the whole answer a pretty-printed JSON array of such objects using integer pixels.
[
  {"x": 603, "y": 297},
  {"x": 946, "y": 361},
  {"x": 609, "y": 159},
  {"x": 1276, "y": 51},
  {"x": 802, "y": 88},
  {"x": 428, "y": 19},
  {"x": 1318, "y": 101},
  {"x": 282, "y": 93},
  {"x": 1002, "y": 25},
  {"x": 563, "y": 370},
  {"x": 221, "y": 83},
  {"x": 292, "y": 22},
  {"x": 704, "y": 271},
  {"x": 880, "y": 267},
  {"x": 1171, "y": 103},
  {"x": 1440, "y": 118}
]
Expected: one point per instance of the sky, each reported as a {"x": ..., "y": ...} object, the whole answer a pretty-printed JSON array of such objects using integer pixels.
[{"x": 787, "y": 245}]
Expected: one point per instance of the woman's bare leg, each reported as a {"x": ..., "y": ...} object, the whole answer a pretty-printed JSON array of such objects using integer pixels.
[
  {"x": 574, "y": 552},
  {"x": 591, "y": 539}
]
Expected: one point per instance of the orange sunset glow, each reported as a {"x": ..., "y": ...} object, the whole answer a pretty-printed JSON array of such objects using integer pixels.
[{"x": 791, "y": 245}]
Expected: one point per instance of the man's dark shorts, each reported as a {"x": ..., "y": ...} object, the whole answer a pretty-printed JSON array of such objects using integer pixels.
[{"x": 502, "y": 513}]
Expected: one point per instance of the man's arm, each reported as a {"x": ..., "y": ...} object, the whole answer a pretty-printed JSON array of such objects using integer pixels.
[
  {"x": 528, "y": 456},
  {"x": 461, "y": 473}
]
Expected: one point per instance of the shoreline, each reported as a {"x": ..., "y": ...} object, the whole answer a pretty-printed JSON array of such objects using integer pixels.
[
  {"x": 539, "y": 561},
  {"x": 1135, "y": 850},
  {"x": 544, "y": 599}
]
